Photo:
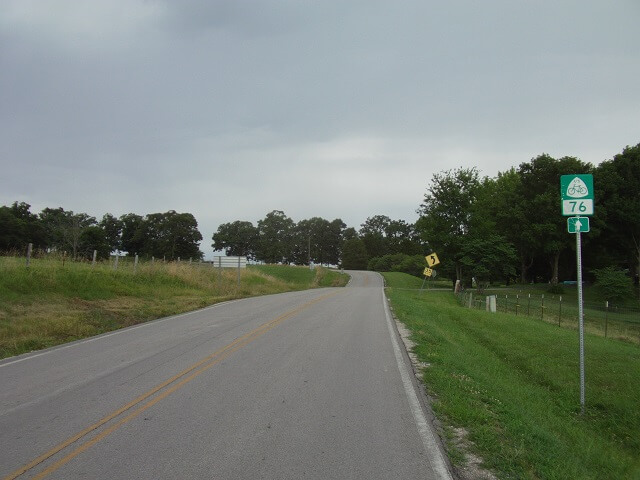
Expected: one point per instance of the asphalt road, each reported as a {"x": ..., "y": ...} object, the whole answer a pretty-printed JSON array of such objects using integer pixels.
[{"x": 307, "y": 384}]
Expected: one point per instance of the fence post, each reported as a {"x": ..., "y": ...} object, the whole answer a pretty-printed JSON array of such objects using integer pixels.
[
  {"x": 517, "y": 304},
  {"x": 135, "y": 264},
  {"x": 528, "y": 304},
  {"x": 606, "y": 318},
  {"x": 93, "y": 260},
  {"x": 115, "y": 261},
  {"x": 506, "y": 303},
  {"x": 238, "y": 271},
  {"x": 542, "y": 307},
  {"x": 29, "y": 249},
  {"x": 560, "y": 311},
  {"x": 470, "y": 300}
]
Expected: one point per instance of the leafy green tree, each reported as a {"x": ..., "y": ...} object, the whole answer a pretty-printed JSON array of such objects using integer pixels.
[
  {"x": 237, "y": 238},
  {"x": 613, "y": 283},
  {"x": 500, "y": 210},
  {"x": 354, "y": 254},
  {"x": 275, "y": 233},
  {"x": 64, "y": 228},
  {"x": 540, "y": 180},
  {"x": 446, "y": 215},
  {"x": 93, "y": 238},
  {"x": 617, "y": 185},
  {"x": 112, "y": 228},
  {"x": 372, "y": 233},
  {"x": 172, "y": 235},
  {"x": 134, "y": 236},
  {"x": 488, "y": 258},
  {"x": 12, "y": 231}
]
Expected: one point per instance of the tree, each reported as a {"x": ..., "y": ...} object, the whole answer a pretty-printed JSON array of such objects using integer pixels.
[
  {"x": 488, "y": 258},
  {"x": 446, "y": 216},
  {"x": 275, "y": 238},
  {"x": 613, "y": 283},
  {"x": 540, "y": 179},
  {"x": 93, "y": 238},
  {"x": 372, "y": 233},
  {"x": 354, "y": 254},
  {"x": 112, "y": 228},
  {"x": 12, "y": 231},
  {"x": 64, "y": 228},
  {"x": 133, "y": 237},
  {"x": 237, "y": 238},
  {"x": 617, "y": 184}
]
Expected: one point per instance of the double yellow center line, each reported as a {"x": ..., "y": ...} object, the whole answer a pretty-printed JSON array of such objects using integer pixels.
[{"x": 158, "y": 393}]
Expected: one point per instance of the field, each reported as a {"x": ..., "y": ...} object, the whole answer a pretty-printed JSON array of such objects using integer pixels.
[
  {"x": 52, "y": 302},
  {"x": 506, "y": 388}
]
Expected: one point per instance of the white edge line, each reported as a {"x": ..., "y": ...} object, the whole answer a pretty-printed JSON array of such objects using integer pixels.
[
  {"x": 426, "y": 433},
  {"x": 110, "y": 334}
]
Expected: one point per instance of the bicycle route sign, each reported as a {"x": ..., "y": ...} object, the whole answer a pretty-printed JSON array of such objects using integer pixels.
[{"x": 576, "y": 191}]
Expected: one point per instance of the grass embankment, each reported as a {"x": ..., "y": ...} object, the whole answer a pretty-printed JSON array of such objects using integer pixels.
[
  {"x": 48, "y": 304},
  {"x": 512, "y": 384}
]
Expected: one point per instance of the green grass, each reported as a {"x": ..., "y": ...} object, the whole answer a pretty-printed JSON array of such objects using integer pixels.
[
  {"x": 512, "y": 383},
  {"x": 50, "y": 303}
]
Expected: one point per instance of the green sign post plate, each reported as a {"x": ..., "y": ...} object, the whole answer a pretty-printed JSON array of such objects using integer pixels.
[
  {"x": 576, "y": 191},
  {"x": 578, "y": 224}
]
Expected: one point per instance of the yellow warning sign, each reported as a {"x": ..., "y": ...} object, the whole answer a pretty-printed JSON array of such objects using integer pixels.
[
  {"x": 432, "y": 259},
  {"x": 427, "y": 272}
]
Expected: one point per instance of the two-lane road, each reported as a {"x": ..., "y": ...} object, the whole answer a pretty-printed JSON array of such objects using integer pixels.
[{"x": 306, "y": 384}]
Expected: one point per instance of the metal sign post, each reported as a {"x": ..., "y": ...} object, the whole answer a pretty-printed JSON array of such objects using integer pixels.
[
  {"x": 577, "y": 199},
  {"x": 580, "y": 318}
]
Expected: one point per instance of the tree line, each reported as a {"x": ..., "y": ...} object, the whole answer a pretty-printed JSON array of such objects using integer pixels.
[
  {"x": 510, "y": 227},
  {"x": 278, "y": 239},
  {"x": 168, "y": 235},
  {"x": 504, "y": 228},
  {"x": 507, "y": 228}
]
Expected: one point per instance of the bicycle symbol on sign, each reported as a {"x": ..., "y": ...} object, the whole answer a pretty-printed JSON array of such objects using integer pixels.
[{"x": 577, "y": 188}]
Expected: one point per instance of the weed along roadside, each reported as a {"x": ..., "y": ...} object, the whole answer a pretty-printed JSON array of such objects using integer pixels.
[
  {"x": 49, "y": 303},
  {"x": 506, "y": 389}
]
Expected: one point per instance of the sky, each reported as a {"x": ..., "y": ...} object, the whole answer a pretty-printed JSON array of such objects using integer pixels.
[{"x": 337, "y": 109}]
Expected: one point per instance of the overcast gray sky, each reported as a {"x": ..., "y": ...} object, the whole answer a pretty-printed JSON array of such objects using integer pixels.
[{"x": 231, "y": 109}]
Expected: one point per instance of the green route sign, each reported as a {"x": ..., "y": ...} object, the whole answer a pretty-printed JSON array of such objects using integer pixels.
[
  {"x": 578, "y": 224},
  {"x": 576, "y": 191}
]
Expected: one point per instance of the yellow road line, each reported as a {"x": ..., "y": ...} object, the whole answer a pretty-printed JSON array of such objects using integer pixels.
[{"x": 195, "y": 370}]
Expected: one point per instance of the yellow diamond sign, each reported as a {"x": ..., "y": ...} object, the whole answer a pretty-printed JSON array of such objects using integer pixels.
[
  {"x": 427, "y": 272},
  {"x": 432, "y": 259}
]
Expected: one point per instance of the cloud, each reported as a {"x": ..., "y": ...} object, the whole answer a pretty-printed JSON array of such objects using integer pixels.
[{"x": 232, "y": 109}]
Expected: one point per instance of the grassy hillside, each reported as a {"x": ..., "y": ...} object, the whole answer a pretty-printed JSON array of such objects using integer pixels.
[
  {"x": 508, "y": 387},
  {"x": 51, "y": 303}
]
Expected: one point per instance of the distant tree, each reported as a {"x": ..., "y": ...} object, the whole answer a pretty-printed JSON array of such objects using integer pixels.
[
  {"x": 446, "y": 214},
  {"x": 546, "y": 227},
  {"x": 134, "y": 234},
  {"x": 237, "y": 238},
  {"x": 12, "y": 231},
  {"x": 275, "y": 238},
  {"x": 112, "y": 228},
  {"x": 617, "y": 184},
  {"x": 172, "y": 235},
  {"x": 93, "y": 238},
  {"x": 613, "y": 283},
  {"x": 354, "y": 255},
  {"x": 488, "y": 258},
  {"x": 64, "y": 228},
  {"x": 349, "y": 233},
  {"x": 372, "y": 233}
]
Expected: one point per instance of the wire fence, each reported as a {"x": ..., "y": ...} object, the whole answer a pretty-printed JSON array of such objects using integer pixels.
[{"x": 605, "y": 319}]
